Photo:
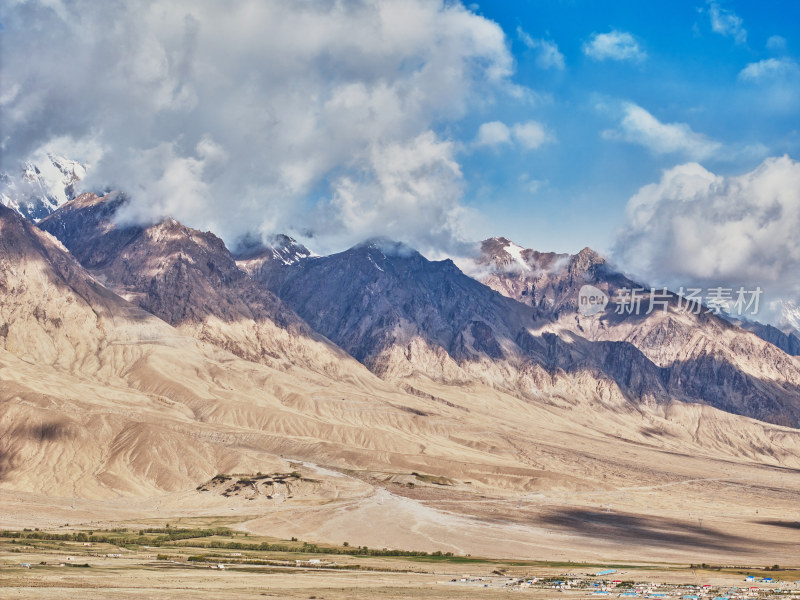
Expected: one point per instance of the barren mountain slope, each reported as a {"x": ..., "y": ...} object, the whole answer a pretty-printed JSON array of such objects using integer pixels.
[
  {"x": 53, "y": 312},
  {"x": 490, "y": 475},
  {"x": 702, "y": 355},
  {"x": 786, "y": 341},
  {"x": 404, "y": 317},
  {"x": 99, "y": 394},
  {"x": 107, "y": 413},
  {"x": 401, "y": 314},
  {"x": 189, "y": 279}
]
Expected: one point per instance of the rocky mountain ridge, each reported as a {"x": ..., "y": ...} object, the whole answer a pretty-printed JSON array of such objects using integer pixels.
[
  {"x": 189, "y": 279},
  {"x": 408, "y": 319},
  {"x": 404, "y": 316}
]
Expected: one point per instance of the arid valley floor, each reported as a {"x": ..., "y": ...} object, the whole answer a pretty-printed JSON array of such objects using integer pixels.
[{"x": 199, "y": 559}]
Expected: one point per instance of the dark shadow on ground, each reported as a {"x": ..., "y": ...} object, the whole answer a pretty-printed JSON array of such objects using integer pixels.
[
  {"x": 637, "y": 530},
  {"x": 785, "y": 524}
]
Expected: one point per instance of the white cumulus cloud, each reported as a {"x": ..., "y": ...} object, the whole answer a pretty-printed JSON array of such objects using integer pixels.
[
  {"x": 531, "y": 134},
  {"x": 614, "y": 45},
  {"x": 253, "y": 114},
  {"x": 638, "y": 126},
  {"x": 528, "y": 135},
  {"x": 726, "y": 22},
  {"x": 776, "y": 42},
  {"x": 770, "y": 68},
  {"x": 406, "y": 186},
  {"x": 548, "y": 56},
  {"x": 694, "y": 227},
  {"x": 493, "y": 134},
  {"x": 773, "y": 83}
]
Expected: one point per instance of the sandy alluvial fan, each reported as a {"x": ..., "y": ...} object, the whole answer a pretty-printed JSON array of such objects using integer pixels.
[{"x": 417, "y": 407}]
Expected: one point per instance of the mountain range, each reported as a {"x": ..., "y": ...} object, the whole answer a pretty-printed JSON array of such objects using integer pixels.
[
  {"x": 520, "y": 330},
  {"x": 139, "y": 360}
]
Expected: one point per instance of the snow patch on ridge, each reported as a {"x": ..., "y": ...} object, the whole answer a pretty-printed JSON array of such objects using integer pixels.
[{"x": 515, "y": 251}]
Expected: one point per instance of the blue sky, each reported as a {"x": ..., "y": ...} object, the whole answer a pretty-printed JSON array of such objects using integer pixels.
[{"x": 686, "y": 73}]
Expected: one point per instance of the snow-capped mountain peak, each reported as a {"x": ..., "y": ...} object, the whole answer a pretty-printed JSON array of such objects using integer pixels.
[
  {"x": 279, "y": 248},
  {"x": 41, "y": 186}
]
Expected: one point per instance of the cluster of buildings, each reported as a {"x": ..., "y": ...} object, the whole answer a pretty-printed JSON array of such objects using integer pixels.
[{"x": 591, "y": 586}]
